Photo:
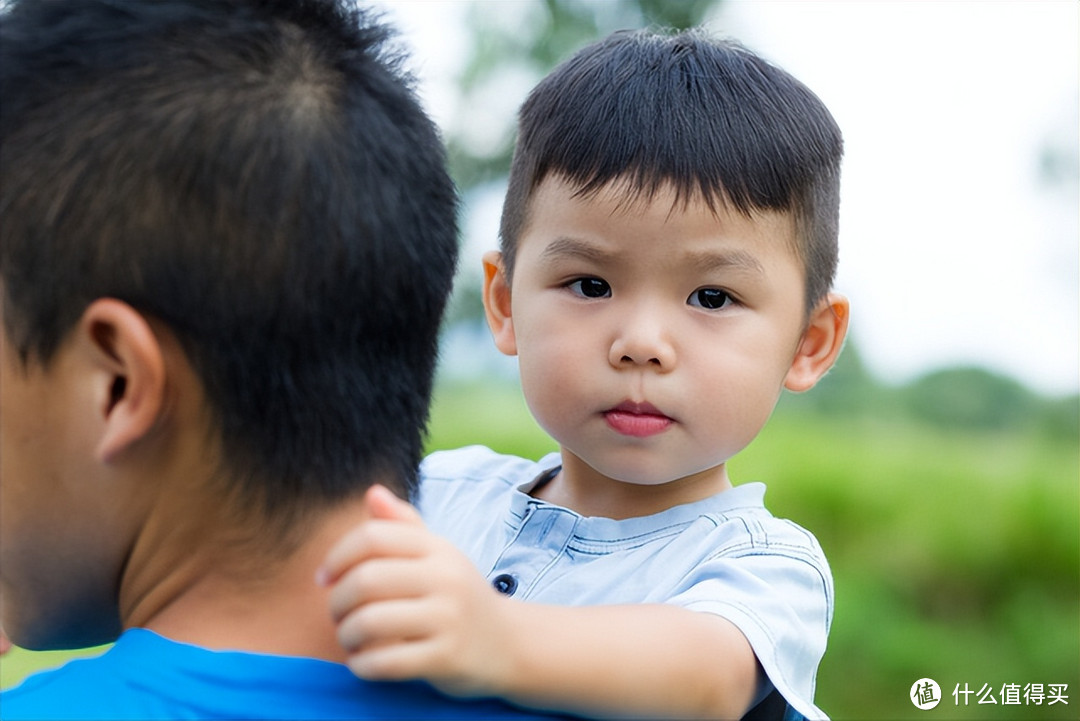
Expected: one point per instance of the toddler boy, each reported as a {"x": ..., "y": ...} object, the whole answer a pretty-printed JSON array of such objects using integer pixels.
[{"x": 668, "y": 247}]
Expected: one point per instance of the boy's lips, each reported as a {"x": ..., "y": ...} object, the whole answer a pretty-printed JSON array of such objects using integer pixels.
[{"x": 637, "y": 419}]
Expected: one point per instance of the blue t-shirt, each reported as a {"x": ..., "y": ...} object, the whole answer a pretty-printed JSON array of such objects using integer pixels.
[
  {"x": 725, "y": 555},
  {"x": 147, "y": 676}
]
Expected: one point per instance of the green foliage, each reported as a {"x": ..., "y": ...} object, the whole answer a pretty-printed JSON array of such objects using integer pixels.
[
  {"x": 952, "y": 398},
  {"x": 970, "y": 398},
  {"x": 954, "y": 552}
]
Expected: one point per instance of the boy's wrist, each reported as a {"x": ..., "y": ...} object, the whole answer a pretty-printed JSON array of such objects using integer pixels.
[
  {"x": 498, "y": 667},
  {"x": 486, "y": 660},
  {"x": 503, "y": 650}
]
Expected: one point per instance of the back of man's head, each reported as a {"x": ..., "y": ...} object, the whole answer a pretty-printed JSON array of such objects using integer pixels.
[{"x": 259, "y": 177}]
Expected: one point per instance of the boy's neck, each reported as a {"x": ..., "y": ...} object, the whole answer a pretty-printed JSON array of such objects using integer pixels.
[{"x": 587, "y": 492}]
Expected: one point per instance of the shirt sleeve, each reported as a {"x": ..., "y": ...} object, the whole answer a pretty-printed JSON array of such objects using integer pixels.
[{"x": 780, "y": 596}]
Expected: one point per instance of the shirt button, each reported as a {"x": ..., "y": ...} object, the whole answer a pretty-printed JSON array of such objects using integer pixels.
[{"x": 505, "y": 583}]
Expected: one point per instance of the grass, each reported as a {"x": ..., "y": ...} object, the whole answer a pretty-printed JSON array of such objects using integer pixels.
[{"x": 956, "y": 554}]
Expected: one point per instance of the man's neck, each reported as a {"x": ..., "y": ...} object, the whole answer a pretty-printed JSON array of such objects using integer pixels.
[{"x": 229, "y": 597}]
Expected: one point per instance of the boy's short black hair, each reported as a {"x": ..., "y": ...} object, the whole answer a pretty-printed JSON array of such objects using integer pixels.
[
  {"x": 707, "y": 116},
  {"x": 259, "y": 176}
]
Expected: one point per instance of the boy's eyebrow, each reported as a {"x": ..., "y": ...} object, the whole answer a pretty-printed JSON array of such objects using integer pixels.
[
  {"x": 738, "y": 260},
  {"x": 565, "y": 246},
  {"x": 707, "y": 261}
]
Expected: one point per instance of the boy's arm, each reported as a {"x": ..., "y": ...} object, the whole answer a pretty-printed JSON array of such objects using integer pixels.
[
  {"x": 648, "y": 661},
  {"x": 410, "y": 605}
]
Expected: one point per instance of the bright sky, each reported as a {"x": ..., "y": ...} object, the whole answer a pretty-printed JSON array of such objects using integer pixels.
[{"x": 952, "y": 251}]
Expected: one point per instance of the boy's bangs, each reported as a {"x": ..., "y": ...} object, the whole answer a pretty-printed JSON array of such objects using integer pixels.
[{"x": 706, "y": 122}]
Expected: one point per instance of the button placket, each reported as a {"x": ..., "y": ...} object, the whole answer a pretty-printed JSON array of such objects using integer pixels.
[{"x": 541, "y": 540}]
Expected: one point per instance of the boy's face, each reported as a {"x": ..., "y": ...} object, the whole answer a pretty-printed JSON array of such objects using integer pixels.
[{"x": 653, "y": 337}]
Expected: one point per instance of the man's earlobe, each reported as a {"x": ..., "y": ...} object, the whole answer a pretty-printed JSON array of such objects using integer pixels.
[
  {"x": 128, "y": 374},
  {"x": 497, "y": 303},
  {"x": 821, "y": 343}
]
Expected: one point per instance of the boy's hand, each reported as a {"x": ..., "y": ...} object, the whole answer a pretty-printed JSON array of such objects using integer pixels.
[{"x": 408, "y": 604}]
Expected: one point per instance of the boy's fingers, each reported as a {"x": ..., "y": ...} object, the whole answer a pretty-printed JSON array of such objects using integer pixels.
[
  {"x": 383, "y": 624},
  {"x": 392, "y": 662},
  {"x": 377, "y": 580},
  {"x": 395, "y": 662},
  {"x": 384, "y": 505},
  {"x": 372, "y": 539}
]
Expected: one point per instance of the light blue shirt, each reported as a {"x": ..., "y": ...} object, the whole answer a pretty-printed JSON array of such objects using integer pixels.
[{"x": 725, "y": 555}]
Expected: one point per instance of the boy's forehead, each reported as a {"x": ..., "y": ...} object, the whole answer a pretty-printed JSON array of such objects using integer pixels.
[
  {"x": 624, "y": 197},
  {"x": 628, "y": 194}
]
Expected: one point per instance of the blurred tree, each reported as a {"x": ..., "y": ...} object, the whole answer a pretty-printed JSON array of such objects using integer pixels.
[
  {"x": 1059, "y": 418},
  {"x": 959, "y": 398},
  {"x": 971, "y": 398}
]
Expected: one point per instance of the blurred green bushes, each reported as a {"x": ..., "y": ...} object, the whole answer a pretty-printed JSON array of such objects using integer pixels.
[
  {"x": 955, "y": 398},
  {"x": 955, "y": 556}
]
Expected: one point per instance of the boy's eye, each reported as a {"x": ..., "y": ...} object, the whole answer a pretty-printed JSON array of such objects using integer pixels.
[
  {"x": 590, "y": 288},
  {"x": 710, "y": 298}
]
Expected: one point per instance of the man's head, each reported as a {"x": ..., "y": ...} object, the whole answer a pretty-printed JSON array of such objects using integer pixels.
[
  {"x": 709, "y": 118},
  {"x": 258, "y": 177},
  {"x": 252, "y": 184}
]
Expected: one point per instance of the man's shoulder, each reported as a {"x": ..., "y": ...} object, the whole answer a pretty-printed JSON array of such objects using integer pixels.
[
  {"x": 150, "y": 677},
  {"x": 84, "y": 688}
]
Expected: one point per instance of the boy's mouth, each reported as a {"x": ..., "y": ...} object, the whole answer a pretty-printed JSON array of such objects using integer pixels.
[{"x": 639, "y": 420}]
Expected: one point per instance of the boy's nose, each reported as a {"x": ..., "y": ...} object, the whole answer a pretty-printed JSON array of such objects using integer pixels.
[{"x": 642, "y": 341}]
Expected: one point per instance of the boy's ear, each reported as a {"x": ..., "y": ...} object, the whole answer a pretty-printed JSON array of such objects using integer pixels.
[
  {"x": 497, "y": 303},
  {"x": 821, "y": 343},
  {"x": 128, "y": 371}
]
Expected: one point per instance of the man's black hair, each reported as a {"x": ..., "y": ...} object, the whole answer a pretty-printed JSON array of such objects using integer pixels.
[
  {"x": 707, "y": 116},
  {"x": 258, "y": 176}
]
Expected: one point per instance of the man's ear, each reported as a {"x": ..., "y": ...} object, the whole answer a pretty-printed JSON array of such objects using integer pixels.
[
  {"x": 497, "y": 303},
  {"x": 821, "y": 343},
  {"x": 128, "y": 373}
]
